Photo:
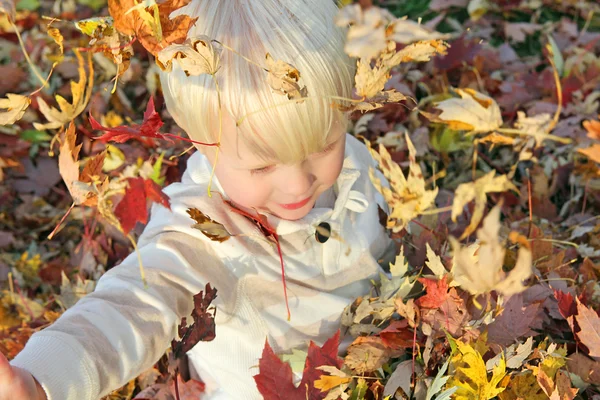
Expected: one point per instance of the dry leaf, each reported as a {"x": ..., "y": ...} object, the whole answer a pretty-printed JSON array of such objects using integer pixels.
[
  {"x": 407, "y": 31},
  {"x": 407, "y": 197},
  {"x": 283, "y": 79},
  {"x": 589, "y": 323},
  {"x": 478, "y": 190},
  {"x": 538, "y": 126},
  {"x": 12, "y": 108},
  {"x": 81, "y": 90},
  {"x": 482, "y": 272},
  {"x": 367, "y": 354},
  {"x": 196, "y": 56},
  {"x": 592, "y": 152},
  {"x": 473, "y": 112},
  {"x": 421, "y": 51},
  {"x": 593, "y": 128},
  {"x": 211, "y": 229}
]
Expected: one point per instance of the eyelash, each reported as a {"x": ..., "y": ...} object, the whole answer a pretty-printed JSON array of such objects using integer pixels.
[{"x": 268, "y": 168}]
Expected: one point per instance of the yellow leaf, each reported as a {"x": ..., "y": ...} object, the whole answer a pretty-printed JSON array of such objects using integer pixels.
[
  {"x": 57, "y": 37},
  {"x": 12, "y": 108},
  {"x": 592, "y": 152},
  {"x": 283, "y": 79},
  {"x": 328, "y": 382},
  {"x": 196, "y": 56},
  {"x": 81, "y": 91},
  {"x": 407, "y": 196},
  {"x": 482, "y": 272},
  {"x": 470, "y": 375},
  {"x": 474, "y": 112},
  {"x": 478, "y": 190}
]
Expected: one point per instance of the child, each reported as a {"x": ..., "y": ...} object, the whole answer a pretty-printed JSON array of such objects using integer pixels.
[{"x": 293, "y": 163}]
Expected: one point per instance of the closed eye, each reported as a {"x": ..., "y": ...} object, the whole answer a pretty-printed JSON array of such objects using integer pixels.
[{"x": 268, "y": 168}]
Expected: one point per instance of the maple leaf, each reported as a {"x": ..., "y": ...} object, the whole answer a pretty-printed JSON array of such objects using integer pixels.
[
  {"x": 132, "y": 207},
  {"x": 71, "y": 293},
  {"x": 470, "y": 375},
  {"x": 478, "y": 190},
  {"x": 12, "y": 108},
  {"x": 152, "y": 25},
  {"x": 211, "y": 229},
  {"x": 515, "y": 321},
  {"x": 406, "y": 196},
  {"x": 437, "y": 292},
  {"x": 537, "y": 126},
  {"x": 283, "y": 79},
  {"x": 368, "y": 353},
  {"x": 482, "y": 272},
  {"x": 589, "y": 324},
  {"x": 195, "y": 56},
  {"x": 81, "y": 92},
  {"x": 203, "y": 327},
  {"x": 473, "y": 111},
  {"x": 275, "y": 381},
  {"x": 593, "y": 128},
  {"x": 80, "y": 185}
]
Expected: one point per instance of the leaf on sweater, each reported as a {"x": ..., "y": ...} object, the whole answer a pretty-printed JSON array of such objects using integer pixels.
[
  {"x": 482, "y": 272},
  {"x": 148, "y": 129},
  {"x": 515, "y": 321},
  {"x": 152, "y": 25},
  {"x": 195, "y": 56},
  {"x": 283, "y": 79},
  {"x": 81, "y": 92},
  {"x": 478, "y": 191},
  {"x": 203, "y": 327},
  {"x": 407, "y": 196},
  {"x": 275, "y": 380},
  {"x": 473, "y": 111},
  {"x": 12, "y": 108},
  {"x": 470, "y": 375},
  {"x": 589, "y": 333},
  {"x": 132, "y": 207},
  {"x": 211, "y": 229}
]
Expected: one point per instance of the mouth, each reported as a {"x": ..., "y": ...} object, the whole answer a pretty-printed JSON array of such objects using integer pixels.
[{"x": 295, "y": 206}]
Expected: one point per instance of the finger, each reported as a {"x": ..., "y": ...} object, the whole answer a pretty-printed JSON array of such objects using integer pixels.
[{"x": 5, "y": 368}]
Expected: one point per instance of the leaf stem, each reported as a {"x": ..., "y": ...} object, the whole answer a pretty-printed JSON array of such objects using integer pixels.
[
  {"x": 31, "y": 65},
  {"x": 51, "y": 235},
  {"x": 239, "y": 54},
  {"x": 139, "y": 257},
  {"x": 214, "y": 167}
]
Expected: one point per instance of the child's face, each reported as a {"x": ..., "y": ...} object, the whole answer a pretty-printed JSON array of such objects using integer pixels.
[{"x": 287, "y": 191}]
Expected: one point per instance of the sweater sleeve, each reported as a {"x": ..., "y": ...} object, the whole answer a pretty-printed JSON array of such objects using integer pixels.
[{"x": 123, "y": 328}]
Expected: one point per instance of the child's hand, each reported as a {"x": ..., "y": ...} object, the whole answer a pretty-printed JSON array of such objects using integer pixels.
[{"x": 16, "y": 383}]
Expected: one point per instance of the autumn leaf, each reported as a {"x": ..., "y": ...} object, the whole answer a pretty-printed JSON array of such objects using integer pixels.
[
  {"x": 366, "y": 354},
  {"x": 211, "y": 229},
  {"x": 152, "y": 26},
  {"x": 12, "y": 108},
  {"x": 470, "y": 375},
  {"x": 203, "y": 327},
  {"x": 593, "y": 128},
  {"x": 473, "y": 111},
  {"x": 437, "y": 292},
  {"x": 80, "y": 185},
  {"x": 373, "y": 103},
  {"x": 589, "y": 325},
  {"x": 81, "y": 92},
  {"x": 407, "y": 196},
  {"x": 71, "y": 293},
  {"x": 483, "y": 272},
  {"x": 592, "y": 152},
  {"x": 132, "y": 207},
  {"x": 195, "y": 56},
  {"x": 407, "y": 31},
  {"x": 478, "y": 190},
  {"x": 275, "y": 380},
  {"x": 515, "y": 321},
  {"x": 283, "y": 79}
]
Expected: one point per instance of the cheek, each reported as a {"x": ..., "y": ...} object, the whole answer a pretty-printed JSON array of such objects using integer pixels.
[{"x": 243, "y": 189}]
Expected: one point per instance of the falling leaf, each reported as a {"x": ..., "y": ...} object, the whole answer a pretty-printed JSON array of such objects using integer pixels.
[
  {"x": 203, "y": 327},
  {"x": 132, "y": 207},
  {"x": 478, "y": 191},
  {"x": 407, "y": 197},
  {"x": 470, "y": 375},
  {"x": 482, "y": 272},
  {"x": 152, "y": 26},
  {"x": 12, "y": 108},
  {"x": 283, "y": 79},
  {"x": 211, "y": 229},
  {"x": 473, "y": 112},
  {"x": 196, "y": 56},
  {"x": 81, "y": 92}
]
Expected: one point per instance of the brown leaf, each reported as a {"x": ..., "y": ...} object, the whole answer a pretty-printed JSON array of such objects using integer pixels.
[
  {"x": 515, "y": 321},
  {"x": 283, "y": 79},
  {"x": 589, "y": 323},
  {"x": 211, "y": 229}
]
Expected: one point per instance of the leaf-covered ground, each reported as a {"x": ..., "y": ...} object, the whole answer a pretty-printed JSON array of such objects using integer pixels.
[{"x": 485, "y": 118}]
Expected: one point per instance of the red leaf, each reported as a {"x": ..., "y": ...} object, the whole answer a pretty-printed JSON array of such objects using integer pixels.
[
  {"x": 275, "y": 379},
  {"x": 437, "y": 293},
  {"x": 132, "y": 208},
  {"x": 566, "y": 304},
  {"x": 149, "y": 128},
  {"x": 397, "y": 335}
]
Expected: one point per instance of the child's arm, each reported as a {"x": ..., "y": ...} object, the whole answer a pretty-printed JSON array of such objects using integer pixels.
[
  {"x": 122, "y": 329},
  {"x": 17, "y": 383}
]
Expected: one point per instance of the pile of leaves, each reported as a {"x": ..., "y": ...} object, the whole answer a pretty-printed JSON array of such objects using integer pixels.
[{"x": 483, "y": 116}]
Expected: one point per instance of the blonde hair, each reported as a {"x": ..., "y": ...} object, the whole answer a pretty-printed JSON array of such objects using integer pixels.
[{"x": 300, "y": 32}]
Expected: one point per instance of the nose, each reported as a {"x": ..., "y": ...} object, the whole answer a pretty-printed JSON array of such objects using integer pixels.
[{"x": 297, "y": 182}]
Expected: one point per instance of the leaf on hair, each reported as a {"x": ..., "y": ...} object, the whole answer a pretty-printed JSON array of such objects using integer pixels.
[
  {"x": 196, "y": 56},
  {"x": 283, "y": 79}
]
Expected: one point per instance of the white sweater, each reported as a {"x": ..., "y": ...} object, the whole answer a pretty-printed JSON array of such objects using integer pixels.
[{"x": 121, "y": 329}]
